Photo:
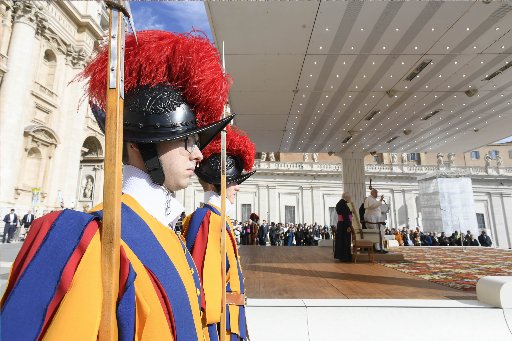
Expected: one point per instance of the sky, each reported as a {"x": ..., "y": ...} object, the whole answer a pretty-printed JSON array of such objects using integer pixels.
[{"x": 176, "y": 16}]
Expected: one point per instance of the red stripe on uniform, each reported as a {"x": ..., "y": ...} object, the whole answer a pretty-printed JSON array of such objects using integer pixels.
[
  {"x": 199, "y": 251},
  {"x": 233, "y": 242},
  {"x": 36, "y": 235},
  {"x": 164, "y": 302},
  {"x": 124, "y": 271},
  {"x": 68, "y": 273}
]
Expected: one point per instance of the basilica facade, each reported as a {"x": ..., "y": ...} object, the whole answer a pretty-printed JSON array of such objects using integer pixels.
[{"x": 52, "y": 149}]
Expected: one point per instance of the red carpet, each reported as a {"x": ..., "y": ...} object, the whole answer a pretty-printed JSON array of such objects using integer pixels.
[{"x": 455, "y": 267}]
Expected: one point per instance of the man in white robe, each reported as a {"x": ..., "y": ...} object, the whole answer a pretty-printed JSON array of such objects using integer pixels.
[{"x": 373, "y": 215}]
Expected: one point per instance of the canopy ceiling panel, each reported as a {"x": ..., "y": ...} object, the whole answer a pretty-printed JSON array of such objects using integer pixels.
[
  {"x": 382, "y": 76},
  {"x": 256, "y": 103}
]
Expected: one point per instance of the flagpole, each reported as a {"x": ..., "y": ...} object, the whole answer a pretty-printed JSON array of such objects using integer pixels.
[
  {"x": 111, "y": 224},
  {"x": 222, "y": 330}
]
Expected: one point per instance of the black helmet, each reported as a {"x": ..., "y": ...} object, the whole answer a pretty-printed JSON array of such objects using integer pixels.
[
  {"x": 209, "y": 170},
  {"x": 158, "y": 114},
  {"x": 240, "y": 153}
]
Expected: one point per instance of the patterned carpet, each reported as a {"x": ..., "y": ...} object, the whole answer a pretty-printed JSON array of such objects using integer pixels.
[{"x": 453, "y": 266}]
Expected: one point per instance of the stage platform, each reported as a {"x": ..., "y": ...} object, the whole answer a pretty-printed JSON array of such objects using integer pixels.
[{"x": 280, "y": 272}]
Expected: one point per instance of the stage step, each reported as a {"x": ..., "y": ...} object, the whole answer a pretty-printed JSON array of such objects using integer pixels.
[{"x": 375, "y": 319}]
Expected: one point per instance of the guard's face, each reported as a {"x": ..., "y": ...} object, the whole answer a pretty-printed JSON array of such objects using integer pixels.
[
  {"x": 231, "y": 190},
  {"x": 178, "y": 163}
]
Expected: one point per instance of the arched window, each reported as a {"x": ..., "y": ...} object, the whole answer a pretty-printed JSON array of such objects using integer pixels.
[
  {"x": 32, "y": 169},
  {"x": 91, "y": 148},
  {"x": 48, "y": 68}
]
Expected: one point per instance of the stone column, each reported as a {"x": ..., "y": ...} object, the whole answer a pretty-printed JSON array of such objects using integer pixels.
[
  {"x": 14, "y": 93},
  {"x": 273, "y": 204},
  {"x": 353, "y": 176},
  {"x": 307, "y": 205},
  {"x": 498, "y": 212},
  {"x": 406, "y": 210}
]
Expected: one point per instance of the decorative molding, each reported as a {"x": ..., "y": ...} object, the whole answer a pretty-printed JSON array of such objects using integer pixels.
[
  {"x": 55, "y": 41},
  {"x": 311, "y": 168},
  {"x": 45, "y": 94},
  {"x": 75, "y": 57},
  {"x": 6, "y": 7},
  {"x": 42, "y": 134}
]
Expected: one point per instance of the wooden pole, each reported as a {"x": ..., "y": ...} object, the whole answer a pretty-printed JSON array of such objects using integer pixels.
[
  {"x": 222, "y": 331},
  {"x": 112, "y": 188}
]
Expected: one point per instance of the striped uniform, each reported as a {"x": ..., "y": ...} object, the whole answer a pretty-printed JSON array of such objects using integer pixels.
[
  {"x": 55, "y": 292},
  {"x": 201, "y": 232}
]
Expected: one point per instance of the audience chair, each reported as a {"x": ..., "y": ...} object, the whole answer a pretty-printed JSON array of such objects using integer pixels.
[{"x": 358, "y": 245}]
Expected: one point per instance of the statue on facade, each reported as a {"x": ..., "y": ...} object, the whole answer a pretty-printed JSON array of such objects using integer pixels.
[
  {"x": 263, "y": 156},
  {"x": 487, "y": 160},
  {"x": 394, "y": 158},
  {"x": 306, "y": 157},
  {"x": 499, "y": 161},
  {"x": 271, "y": 157},
  {"x": 88, "y": 189},
  {"x": 451, "y": 158},
  {"x": 404, "y": 158},
  {"x": 440, "y": 160},
  {"x": 315, "y": 157}
]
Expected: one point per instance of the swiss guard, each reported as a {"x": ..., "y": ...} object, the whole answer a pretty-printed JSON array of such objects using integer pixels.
[
  {"x": 202, "y": 234},
  {"x": 175, "y": 92}
]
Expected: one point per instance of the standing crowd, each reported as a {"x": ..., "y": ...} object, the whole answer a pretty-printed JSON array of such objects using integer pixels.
[{"x": 251, "y": 232}]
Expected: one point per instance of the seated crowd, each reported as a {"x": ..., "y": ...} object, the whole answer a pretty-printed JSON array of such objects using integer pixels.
[{"x": 409, "y": 237}]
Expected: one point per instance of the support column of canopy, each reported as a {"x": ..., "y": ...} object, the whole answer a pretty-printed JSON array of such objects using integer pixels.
[{"x": 353, "y": 176}]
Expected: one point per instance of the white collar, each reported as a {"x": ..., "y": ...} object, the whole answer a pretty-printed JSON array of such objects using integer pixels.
[
  {"x": 213, "y": 198},
  {"x": 152, "y": 197}
]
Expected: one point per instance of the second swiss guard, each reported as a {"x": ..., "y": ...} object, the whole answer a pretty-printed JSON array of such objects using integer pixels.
[{"x": 202, "y": 234}]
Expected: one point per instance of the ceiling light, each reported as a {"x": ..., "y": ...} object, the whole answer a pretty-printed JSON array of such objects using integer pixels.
[{"x": 418, "y": 69}]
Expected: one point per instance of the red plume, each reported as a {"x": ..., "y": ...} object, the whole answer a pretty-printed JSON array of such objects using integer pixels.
[
  {"x": 188, "y": 63},
  {"x": 237, "y": 144}
]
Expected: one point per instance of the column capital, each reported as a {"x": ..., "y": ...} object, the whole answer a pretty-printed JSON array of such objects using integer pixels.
[
  {"x": 26, "y": 12},
  {"x": 75, "y": 57},
  {"x": 5, "y": 9}
]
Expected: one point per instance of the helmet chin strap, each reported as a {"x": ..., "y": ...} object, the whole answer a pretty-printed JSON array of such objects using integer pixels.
[{"x": 152, "y": 162}]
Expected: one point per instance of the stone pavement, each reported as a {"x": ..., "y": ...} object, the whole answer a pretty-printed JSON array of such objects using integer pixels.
[{"x": 8, "y": 253}]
